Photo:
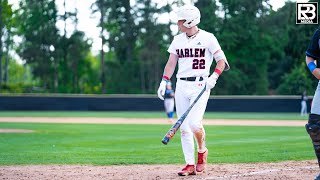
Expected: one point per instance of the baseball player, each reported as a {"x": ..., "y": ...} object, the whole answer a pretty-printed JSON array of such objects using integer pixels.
[
  {"x": 193, "y": 50},
  {"x": 169, "y": 101},
  {"x": 304, "y": 100},
  {"x": 313, "y": 126}
]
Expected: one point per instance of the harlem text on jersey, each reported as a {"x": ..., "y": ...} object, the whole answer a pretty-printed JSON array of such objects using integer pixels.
[{"x": 191, "y": 52}]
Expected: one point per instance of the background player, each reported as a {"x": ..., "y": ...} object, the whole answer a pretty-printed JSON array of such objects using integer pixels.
[
  {"x": 193, "y": 49},
  {"x": 169, "y": 101},
  {"x": 304, "y": 100},
  {"x": 313, "y": 126}
]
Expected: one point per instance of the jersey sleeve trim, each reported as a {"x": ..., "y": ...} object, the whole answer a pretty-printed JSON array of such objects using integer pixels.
[
  {"x": 311, "y": 55},
  {"x": 313, "y": 50}
]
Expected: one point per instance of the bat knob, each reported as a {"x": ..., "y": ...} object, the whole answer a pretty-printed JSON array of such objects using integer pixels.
[{"x": 165, "y": 140}]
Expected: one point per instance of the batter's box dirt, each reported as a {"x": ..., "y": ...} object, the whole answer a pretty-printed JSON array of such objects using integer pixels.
[{"x": 293, "y": 170}]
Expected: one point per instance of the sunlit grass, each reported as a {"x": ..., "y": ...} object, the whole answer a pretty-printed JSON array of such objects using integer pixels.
[{"x": 106, "y": 144}]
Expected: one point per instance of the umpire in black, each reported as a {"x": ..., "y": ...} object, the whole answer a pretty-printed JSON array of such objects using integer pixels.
[{"x": 313, "y": 63}]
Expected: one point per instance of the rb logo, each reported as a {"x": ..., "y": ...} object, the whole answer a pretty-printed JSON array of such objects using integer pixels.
[{"x": 307, "y": 13}]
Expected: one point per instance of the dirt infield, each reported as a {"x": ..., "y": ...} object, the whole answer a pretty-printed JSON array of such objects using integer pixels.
[
  {"x": 225, "y": 122},
  {"x": 15, "y": 131},
  {"x": 295, "y": 170}
]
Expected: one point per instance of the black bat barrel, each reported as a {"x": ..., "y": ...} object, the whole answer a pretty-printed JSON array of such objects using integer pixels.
[
  {"x": 165, "y": 140},
  {"x": 171, "y": 133}
]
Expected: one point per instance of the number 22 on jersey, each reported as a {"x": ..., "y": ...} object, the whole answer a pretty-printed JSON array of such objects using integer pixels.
[{"x": 198, "y": 64}]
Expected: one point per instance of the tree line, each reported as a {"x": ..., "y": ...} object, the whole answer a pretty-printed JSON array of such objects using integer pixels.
[{"x": 265, "y": 48}]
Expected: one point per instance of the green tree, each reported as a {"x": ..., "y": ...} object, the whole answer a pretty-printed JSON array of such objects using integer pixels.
[
  {"x": 37, "y": 20},
  {"x": 265, "y": 48},
  {"x": 117, "y": 17},
  {"x": 244, "y": 42},
  {"x": 122, "y": 30},
  {"x": 78, "y": 49},
  {"x": 210, "y": 20},
  {"x": 296, "y": 81},
  {"x": 89, "y": 80},
  {"x": 63, "y": 61},
  {"x": 289, "y": 43},
  {"x": 152, "y": 43},
  {"x": 6, "y": 26},
  {"x": 20, "y": 74},
  {"x": 103, "y": 8}
]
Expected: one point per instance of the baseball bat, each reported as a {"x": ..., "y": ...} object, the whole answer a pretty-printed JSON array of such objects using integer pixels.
[{"x": 177, "y": 125}]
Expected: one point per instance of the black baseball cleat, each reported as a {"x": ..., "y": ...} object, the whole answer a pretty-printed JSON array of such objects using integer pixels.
[{"x": 317, "y": 177}]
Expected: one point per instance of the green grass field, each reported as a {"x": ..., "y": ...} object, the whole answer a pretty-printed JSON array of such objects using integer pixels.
[{"x": 106, "y": 144}]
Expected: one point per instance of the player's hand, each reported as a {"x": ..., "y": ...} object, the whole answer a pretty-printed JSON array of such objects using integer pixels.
[
  {"x": 162, "y": 89},
  {"x": 211, "y": 81}
]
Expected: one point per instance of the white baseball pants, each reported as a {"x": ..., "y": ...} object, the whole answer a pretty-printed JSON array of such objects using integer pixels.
[{"x": 186, "y": 93}]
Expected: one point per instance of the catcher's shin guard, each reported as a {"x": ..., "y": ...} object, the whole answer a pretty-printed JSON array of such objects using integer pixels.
[{"x": 313, "y": 129}]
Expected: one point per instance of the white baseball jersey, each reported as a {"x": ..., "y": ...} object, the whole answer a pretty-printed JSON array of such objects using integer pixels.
[{"x": 196, "y": 54}]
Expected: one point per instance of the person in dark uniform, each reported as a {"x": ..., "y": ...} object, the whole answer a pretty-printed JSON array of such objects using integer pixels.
[{"x": 313, "y": 63}]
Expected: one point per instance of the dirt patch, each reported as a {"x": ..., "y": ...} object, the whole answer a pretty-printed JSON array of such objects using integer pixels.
[
  {"x": 15, "y": 131},
  {"x": 293, "y": 170},
  {"x": 225, "y": 122}
]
